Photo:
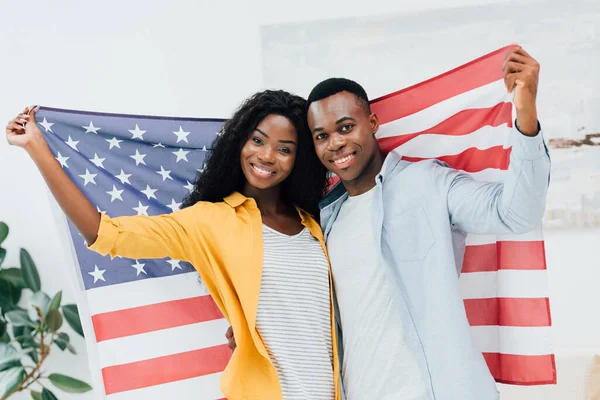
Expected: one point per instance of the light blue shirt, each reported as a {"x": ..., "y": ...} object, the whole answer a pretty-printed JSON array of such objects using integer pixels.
[{"x": 422, "y": 213}]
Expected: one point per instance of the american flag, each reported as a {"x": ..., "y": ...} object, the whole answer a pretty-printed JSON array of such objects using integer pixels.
[{"x": 153, "y": 331}]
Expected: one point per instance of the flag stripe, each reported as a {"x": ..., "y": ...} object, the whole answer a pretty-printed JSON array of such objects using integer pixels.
[
  {"x": 515, "y": 369},
  {"x": 156, "y": 371},
  {"x": 508, "y": 312},
  {"x": 504, "y": 283},
  {"x": 529, "y": 255},
  {"x": 473, "y": 159},
  {"x": 143, "y": 292},
  {"x": 135, "y": 321},
  {"x": 205, "y": 387},
  {"x": 533, "y": 341},
  {"x": 472, "y": 75},
  {"x": 462, "y": 123},
  {"x": 484, "y": 97},
  {"x": 534, "y": 236},
  {"x": 435, "y": 146},
  {"x": 172, "y": 341}
]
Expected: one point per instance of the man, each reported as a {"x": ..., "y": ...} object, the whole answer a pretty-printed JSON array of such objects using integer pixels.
[{"x": 395, "y": 234}]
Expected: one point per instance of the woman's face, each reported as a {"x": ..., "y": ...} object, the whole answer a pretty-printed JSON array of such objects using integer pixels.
[{"x": 269, "y": 154}]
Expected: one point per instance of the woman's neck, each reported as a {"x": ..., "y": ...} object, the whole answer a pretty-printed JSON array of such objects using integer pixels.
[{"x": 268, "y": 201}]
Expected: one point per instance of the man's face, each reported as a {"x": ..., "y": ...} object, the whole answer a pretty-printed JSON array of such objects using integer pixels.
[{"x": 344, "y": 134}]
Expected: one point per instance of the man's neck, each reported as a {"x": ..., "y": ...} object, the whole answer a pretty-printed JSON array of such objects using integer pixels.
[{"x": 366, "y": 180}]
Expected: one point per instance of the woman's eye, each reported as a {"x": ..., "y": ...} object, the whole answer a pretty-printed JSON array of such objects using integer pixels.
[
  {"x": 256, "y": 140},
  {"x": 321, "y": 136},
  {"x": 285, "y": 150}
]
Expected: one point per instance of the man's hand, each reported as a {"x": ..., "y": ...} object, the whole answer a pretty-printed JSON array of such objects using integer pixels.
[
  {"x": 230, "y": 339},
  {"x": 521, "y": 74}
]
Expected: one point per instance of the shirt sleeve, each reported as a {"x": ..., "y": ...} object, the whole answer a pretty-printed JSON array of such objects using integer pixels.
[
  {"x": 514, "y": 206},
  {"x": 168, "y": 235}
]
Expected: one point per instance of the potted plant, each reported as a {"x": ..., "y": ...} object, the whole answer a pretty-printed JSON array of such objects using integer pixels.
[{"x": 30, "y": 332}]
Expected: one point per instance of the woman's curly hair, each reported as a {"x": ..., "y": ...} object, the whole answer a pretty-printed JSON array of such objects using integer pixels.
[{"x": 222, "y": 173}]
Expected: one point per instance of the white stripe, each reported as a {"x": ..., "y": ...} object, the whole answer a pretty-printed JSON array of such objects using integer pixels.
[
  {"x": 162, "y": 343},
  {"x": 504, "y": 283},
  {"x": 145, "y": 292},
  {"x": 200, "y": 388},
  {"x": 433, "y": 145},
  {"x": 486, "y": 96},
  {"x": 513, "y": 339},
  {"x": 535, "y": 235}
]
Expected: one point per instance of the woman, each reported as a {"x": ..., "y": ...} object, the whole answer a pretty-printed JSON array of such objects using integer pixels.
[{"x": 248, "y": 231}]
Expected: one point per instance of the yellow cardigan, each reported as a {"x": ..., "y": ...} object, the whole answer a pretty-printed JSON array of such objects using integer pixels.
[{"x": 224, "y": 243}]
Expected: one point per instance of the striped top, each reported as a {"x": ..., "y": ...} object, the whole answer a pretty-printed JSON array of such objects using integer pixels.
[{"x": 293, "y": 316}]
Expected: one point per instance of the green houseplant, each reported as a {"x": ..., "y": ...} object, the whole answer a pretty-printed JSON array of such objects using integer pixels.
[{"x": 29, "y": 333}]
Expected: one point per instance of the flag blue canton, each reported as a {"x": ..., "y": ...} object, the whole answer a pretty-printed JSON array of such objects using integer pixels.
[{"x": 128, "y": 165}]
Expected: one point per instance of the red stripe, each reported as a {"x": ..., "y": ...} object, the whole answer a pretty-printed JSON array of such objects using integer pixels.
[
  {"x": 477, "y": 73},
  {"x": 522, "y": 370},
  {"x": 154, "y": 317},
  {"x": 474, "y": 159},
  {"x": 508, "y": 312},
  {"x": 160, "y": 370},
  {"x": 529, "y": 255},
  {"x": 461, "y": 123}
]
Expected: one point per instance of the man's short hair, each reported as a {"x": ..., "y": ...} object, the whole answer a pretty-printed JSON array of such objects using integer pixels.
[{"x": 332, "y": 86}]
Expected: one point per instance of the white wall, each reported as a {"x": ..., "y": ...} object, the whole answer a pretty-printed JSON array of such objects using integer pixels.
[{"x": 191, "y": 58}]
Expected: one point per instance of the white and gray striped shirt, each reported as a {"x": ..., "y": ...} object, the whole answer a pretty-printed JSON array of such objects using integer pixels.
[{"x": 293, "y": 316}]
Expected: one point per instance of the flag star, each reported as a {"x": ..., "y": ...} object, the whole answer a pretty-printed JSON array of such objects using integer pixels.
[
  {"x": 181, "y": 135},
  {"x": 91, "y": 128},
  {"x": 98, "y": 274},
  {"x": 149, "y": 192},
  {"x": 139, "y": 158},
  {"x": 158, "y": 145},
  {"x": 174, "y": 206},
  {"x": 201, "y": 170},
  {"x": 141, "y": 209},
  {"x": 99, "y": 210},
  {"x": 114, "y": 142},
  {"x": 88, "y": 177},
  {"x": 203, "y": 148},
  {"x": 139, "y": 267},
  {"x": 123, "y": 177},
  {"x": 219, "y": 133},
  {"x": 115, "y": 194},
  {"x": 98, "y": 161},
  {"x": 62, "y": 160},
  {"x": 47, "y": 125},
  {"x": 174, "y": 264},
  {"x": 72, "y": 143},
  {"x": 164, "y": 173},
  {"x": 137, "y": 133},
  {"x": 181, "y": 155},
  {"x": 189, "y": 186}
]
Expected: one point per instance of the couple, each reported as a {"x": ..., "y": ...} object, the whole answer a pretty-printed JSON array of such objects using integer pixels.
[{"x": 394, "y": 232}]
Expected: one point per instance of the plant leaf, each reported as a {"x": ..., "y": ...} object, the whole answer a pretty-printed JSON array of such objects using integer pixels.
[
  {"x": 62, "y": 340},
  {"x": 2, "y": 328},
  {"x": 72, "y": 316},
  {"x": 36, "y": 395},
  {"x": 30, "y": 272},
  {"x": 48, "y": 395},
  {"x": 9, "y": 357},
  {"x": 71, "y": 348},
  {"x": 13, "y": 275},
  {"x": 55, "y": 303},
  {"x": 10, "y": 380},
  {"x": 54, "y": 320},
  {"x": 41, "y": 300},
  {"x": 7, "y": 302},
  {"x": 3, "y": 231},
  {"x": 68, "y": 384},
  {"x": 19, "y": 318},
  {"x": 2, "y": 255},
  {"x": 5, "y": 338}
]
